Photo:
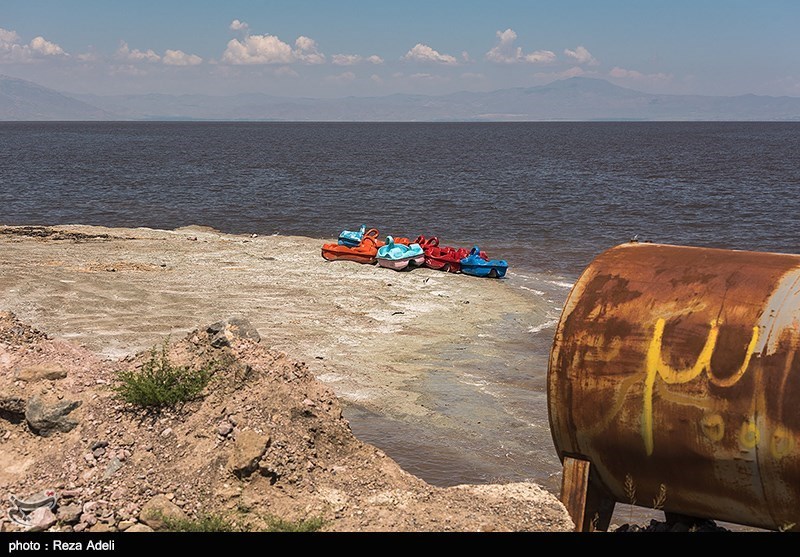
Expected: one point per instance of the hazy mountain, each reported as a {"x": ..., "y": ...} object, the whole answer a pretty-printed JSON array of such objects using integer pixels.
[
  {"x": 25, "y": 100},
  {"x": 576, "y": 99},
  {"x": 570, "y": 99}
]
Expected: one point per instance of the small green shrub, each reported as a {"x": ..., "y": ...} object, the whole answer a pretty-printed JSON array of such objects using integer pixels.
[
  {"x": 160, "y": 384},
  {"x": 306, "y": 525}
]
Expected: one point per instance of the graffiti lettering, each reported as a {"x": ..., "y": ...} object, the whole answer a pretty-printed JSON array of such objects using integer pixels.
[{"x": 655, "y": 366}]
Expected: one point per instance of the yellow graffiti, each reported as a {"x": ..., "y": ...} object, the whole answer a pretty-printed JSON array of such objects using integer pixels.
[
  {"x": 782, "y": 443},
  {"x": 657, "y": 367},
  {"x": 713, "y": 427},
  {"x": 748, "y": 436}
]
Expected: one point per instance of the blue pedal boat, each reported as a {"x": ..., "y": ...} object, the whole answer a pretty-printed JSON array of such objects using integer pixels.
[
  {"x": 399, "y": 256},
  {"x": 476, "y": 266},
  {"x": 352, "y": 238}
]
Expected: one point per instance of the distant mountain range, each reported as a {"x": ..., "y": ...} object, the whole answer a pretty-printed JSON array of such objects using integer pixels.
[{"x": 574, "y": 99}]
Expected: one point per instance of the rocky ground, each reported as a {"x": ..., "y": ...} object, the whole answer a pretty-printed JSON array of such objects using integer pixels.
[{"x": 266, "y": 441}]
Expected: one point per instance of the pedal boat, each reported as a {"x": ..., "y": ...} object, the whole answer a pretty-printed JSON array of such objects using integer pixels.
[
  {"x": 399, "y": 256},
  {"x": 477, "y": 266}
]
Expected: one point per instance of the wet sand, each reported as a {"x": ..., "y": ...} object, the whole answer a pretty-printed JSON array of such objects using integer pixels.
[{"x": 438, "y": 369}]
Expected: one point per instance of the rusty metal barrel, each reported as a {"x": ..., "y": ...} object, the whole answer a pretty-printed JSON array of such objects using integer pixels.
[{"x": 674, "y": 374}]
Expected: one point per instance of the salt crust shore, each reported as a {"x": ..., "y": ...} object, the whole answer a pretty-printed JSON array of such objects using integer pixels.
[{"x": 367, "y": 332}]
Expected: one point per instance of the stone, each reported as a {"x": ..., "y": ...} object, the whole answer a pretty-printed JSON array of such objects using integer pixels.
[
  {"x": 41, "y": 372},
  {"x": 113, "y": 466},
  {"x": 48, "y": 419},
  {"x": 223, "y": 332},
  {"x": 248, "y": 449},
  {"x": 224, "y": 428},
  {"x": 69, "y": 514},
  {"x": 139, "y": 528},
  {"x": 158, "y": 510},
  {"x": 41, "y": 519}
]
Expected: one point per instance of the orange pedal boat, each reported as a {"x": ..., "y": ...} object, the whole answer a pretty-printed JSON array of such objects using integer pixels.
[{"x": 365, "y": 252}]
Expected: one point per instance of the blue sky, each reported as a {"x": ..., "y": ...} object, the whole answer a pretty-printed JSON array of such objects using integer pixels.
[{"x": 365, "y": 48}]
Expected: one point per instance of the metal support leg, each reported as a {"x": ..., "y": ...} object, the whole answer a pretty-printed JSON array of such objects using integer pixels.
[{"x": 589, "y": 506}]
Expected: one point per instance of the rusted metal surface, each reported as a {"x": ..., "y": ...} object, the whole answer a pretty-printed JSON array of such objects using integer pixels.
[{"x": 678, "y": 366}]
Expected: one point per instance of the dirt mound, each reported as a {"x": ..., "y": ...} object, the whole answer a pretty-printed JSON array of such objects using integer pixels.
[{"x": 265, "y": 442}]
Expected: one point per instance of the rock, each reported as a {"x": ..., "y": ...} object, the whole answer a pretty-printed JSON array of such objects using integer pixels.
[
  {"x": 247, "y": 451},
  {"x": 158, "y": 511},
  {"x": 69, "y": 514},
  {"x": 139, "y": 528},
  {"x": 41, "y": 372},
  {"x": 125, "y": 524},
  {"x": 97, "y": 453},
  {"x": 99, "y": 445},
  {"x": 45, "y": 420},
  {"x": 41, "y": 519},
  {"x": 12, "y": 409},
  {"x": 223, "y": 332},
  {"x": 224, "y": 428},
  {"x": 113, "y": 465}
]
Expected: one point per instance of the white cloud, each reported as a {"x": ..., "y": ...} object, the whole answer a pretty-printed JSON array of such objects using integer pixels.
[
  {"x": 180, "y": 58},
  {"x": 621, "y": 73},
  {"x": 8, "y": 37},
  {"x": 125, "y": 53},
  {"x": 540, "y": 57},
  {"x": 344, "y": 77},
  {"x": 353, "y": 59},
  {"x": 581, "y": 56},
  {"x": 472, "y": 75},
  {"x": 424, "y": 53},
  {"x": 45, "y": 47},
  {"x": 376, "y": 78},
  {"x": 269, "y": 49},
  {"x": 506, "y": 52},
  {"x": 88, "y": 57},
  {"x": 237, "y": 25},
  {"x": 258, "y": 49},
  {"x": 12, "y": 49},
  {"x": 345, "y": 59},
  {"x": 306, "y": 51}
]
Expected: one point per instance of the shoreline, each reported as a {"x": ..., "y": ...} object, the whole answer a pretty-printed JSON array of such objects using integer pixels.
[{"x": 415, "y": 348}]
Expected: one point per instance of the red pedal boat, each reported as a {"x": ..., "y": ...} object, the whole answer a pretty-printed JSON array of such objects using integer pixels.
[{"x": 443, "y": 258}]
